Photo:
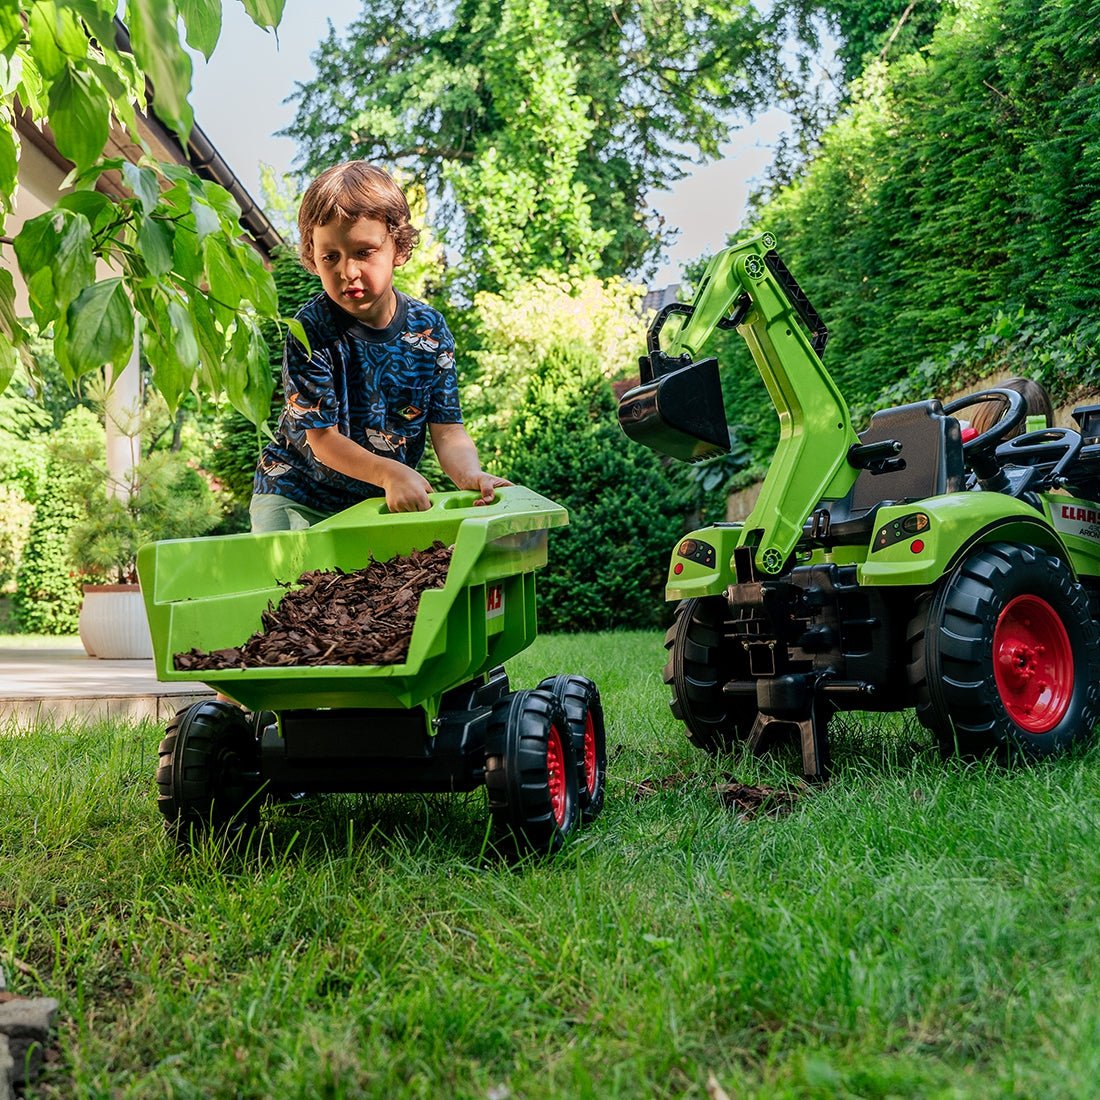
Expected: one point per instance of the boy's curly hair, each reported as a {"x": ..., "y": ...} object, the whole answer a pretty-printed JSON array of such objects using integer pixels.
[{"x": 349, "y": 191}]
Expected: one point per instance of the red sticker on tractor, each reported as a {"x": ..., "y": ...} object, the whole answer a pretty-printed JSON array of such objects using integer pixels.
[{"x": 494, "y": 602}]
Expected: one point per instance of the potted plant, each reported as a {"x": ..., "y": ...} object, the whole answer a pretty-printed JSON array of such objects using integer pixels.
[{"x": 165, "y": 499}]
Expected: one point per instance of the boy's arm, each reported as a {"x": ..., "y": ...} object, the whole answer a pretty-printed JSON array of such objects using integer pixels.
[
  {"x": 406, "y": 490},
  {"x": 458, "y": 456}
]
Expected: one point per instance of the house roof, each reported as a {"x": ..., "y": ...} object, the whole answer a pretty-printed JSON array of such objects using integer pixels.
[{"x": 203, "y": 158}]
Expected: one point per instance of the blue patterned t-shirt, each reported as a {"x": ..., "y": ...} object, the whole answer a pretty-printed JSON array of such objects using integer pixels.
[{"x": 380, "y": 387}]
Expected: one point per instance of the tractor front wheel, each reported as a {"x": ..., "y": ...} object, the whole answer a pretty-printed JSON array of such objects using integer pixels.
[
  {"x": 580, "y": 699},
  {"x": 701, "y": 659},
  {"x": 208, "y": 776},
  {"x": 531, "y": 770},
  {"x": 1005, "y": 654}
]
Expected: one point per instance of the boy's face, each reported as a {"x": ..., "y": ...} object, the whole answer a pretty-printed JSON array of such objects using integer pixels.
[{"x": 356, "y": 261}]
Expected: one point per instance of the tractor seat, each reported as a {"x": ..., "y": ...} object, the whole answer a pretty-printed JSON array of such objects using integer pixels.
[{"x": 929, "y": 463}]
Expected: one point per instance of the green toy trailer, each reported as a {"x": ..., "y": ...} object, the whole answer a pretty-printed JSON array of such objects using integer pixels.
[
  {"x": 444, "y": 719},
  {"x": 898, "y": 567}
]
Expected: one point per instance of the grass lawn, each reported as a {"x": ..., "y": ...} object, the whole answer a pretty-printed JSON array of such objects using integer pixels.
[{"x": 913, "y": 928}]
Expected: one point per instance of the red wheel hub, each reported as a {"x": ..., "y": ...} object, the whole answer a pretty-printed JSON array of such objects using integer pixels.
[
  {"x": 555, "y": 775},
  {"x": 1033, "y": 664},
  {"x": 589, "y": 754}
]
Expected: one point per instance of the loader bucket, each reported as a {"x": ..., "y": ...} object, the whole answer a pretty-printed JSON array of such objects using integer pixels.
[{"x": 680, "y": 413}]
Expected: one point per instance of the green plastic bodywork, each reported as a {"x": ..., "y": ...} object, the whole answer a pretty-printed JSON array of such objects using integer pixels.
[
  {"x": 815, "y": 429},
  {"x": 955, "y": 524},
  {"x": 209, "y": 594}
]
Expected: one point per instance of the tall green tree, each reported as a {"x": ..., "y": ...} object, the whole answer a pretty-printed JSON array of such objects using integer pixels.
[
  {"x": 540, "y": 127},
  {"x": 181, "y": 275}
]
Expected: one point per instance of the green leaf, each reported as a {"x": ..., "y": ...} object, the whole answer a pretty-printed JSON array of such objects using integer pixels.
[
  {"x": 262, "y": 291},
  {"x": 169, "y": 375},
  {"x": 11, "y": 28},
  {"x": 74, "y": 262},
  {"x": 298, "y": 331},
  {"x": 79, "y": 116},
  {"x": 9, "y": 360},
  {"x": 203, "y": 19},
  {"x": 211, "y": 344},
  {"x": 265, "y": 13},
  {"x": 206, "y": 219},
  {"x": 9, "y": 164},
  {"x": 94, "y": 205},
  {"x": 154, "y": 241},
  {"x": 10, "y": 324},
  {"x": 36, "y": 248},
  {"x": 55, "y": 38},
  {"x": 248, "y": 382},
  {"x": 143, "y": 183},
  {"x": 156, "y": 45},
  {"x": 227, "y": 282},
  {"x": 183, "y": 336},
  {"x": 101, "y": 328}
]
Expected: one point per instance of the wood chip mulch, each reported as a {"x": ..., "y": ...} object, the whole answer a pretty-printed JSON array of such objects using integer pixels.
[{"x": 329, "y": 617}]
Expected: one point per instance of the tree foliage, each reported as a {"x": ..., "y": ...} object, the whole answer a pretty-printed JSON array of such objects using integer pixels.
[
  {"x": 180, "y": 275},
  {"x": 962, "y": 184},
  {"x": 543, "y": 126},
  {"x": 607, "y": 568}
]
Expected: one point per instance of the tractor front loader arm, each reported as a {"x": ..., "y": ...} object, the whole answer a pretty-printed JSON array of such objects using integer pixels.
[{"x": 679, "y": 402}]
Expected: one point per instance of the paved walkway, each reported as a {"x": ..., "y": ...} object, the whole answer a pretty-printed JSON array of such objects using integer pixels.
[{"x": 58, "y": 681}]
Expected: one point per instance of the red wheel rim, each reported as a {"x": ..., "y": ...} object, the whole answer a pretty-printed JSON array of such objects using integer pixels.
[
  {"x": 589, "y": 754},
  {"x": 1033, "y": 664},
  {"x": 555, "y": 775}
]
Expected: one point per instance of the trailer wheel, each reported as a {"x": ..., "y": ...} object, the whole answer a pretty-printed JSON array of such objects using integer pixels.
[
  {"x": 531, "y": 770},
  {"x": 701, "y": 659},
  {"x": 208, "y": 776},
  {"x": 1005, "y": 654},
  {"x": 580, "y": 699}
]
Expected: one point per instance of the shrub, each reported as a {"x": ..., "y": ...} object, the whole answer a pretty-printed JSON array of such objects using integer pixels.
[
  {"x": 607, "y": 568},
  {"x": 48, "y": 586}
]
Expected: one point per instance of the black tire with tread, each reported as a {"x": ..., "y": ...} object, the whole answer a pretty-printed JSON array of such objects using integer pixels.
[
  {"x": 580, "y": 699},
  {"x": 208, "y": 772},
  {"x": 517, "y": 774},
  {"x": 701, "y": 659},
  {"x": 951, "y": 652}
]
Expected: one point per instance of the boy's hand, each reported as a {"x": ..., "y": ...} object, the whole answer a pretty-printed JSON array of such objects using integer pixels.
[
  {"x": 406, "y": 490},
  {"x": 485, "y": 484}
]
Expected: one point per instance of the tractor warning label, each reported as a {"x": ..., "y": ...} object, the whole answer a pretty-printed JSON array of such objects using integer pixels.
[
  {"x": 1076, "y": 519},
  {"x": 494, "y": 601}
]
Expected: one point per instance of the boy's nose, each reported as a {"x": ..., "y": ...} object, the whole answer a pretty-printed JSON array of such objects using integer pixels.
[{"x": 351, "y": 269}]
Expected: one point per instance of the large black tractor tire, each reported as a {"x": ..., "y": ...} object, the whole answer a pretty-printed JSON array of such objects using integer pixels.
[
  {"x": 208, "y": 776},
  {"x": 580, "y": 699},
  {"x": 1004, "y": 654},
  {"x": 700, "y": 660},
  {"x": 531, "y": 771}
]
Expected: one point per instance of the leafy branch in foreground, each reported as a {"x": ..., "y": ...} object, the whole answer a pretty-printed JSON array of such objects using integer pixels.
[{"x": 181, "y": 278}]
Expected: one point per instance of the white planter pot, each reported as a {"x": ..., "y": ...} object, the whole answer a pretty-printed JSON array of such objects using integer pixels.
[{"x": 113, "y": 625}]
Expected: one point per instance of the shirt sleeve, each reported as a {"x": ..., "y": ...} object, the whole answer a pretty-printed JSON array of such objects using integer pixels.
[
  {"x": 307, "y": 382},
  {"x": 445, "y": 406}
]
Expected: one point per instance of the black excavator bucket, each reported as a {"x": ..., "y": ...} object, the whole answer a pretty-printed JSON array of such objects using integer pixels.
[{"x": 680, "y": 413}]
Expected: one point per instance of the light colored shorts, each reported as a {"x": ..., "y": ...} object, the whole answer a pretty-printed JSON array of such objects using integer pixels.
[{"x": 272, "y": 512}]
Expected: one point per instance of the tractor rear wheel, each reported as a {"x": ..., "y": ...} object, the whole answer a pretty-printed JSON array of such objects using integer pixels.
[
  {"x": 208, "y": 776},
  {"x": 580, "y": 699},
  {"x": 701, "y": 660},
  {"x": 1006, "y": 654},
  {"x": 531, "y": 770}
]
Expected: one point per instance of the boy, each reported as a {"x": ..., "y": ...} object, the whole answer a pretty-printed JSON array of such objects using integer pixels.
[{"x": 379, "y": 375}]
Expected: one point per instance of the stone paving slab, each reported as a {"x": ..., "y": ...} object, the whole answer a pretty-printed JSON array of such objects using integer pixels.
[{"x": 59, "y": 682}]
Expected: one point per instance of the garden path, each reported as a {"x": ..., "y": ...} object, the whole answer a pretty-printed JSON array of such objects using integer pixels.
[{"x": 58, "y": 682}]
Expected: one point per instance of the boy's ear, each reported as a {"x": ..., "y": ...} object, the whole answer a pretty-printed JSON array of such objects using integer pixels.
[{"x": 402, "y": 258}]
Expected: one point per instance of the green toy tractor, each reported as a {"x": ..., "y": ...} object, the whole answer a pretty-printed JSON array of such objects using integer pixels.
[{"x": 898, "y": 567}]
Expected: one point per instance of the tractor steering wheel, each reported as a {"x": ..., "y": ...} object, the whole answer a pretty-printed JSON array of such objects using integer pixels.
[{"x": 978, "y": 452}]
